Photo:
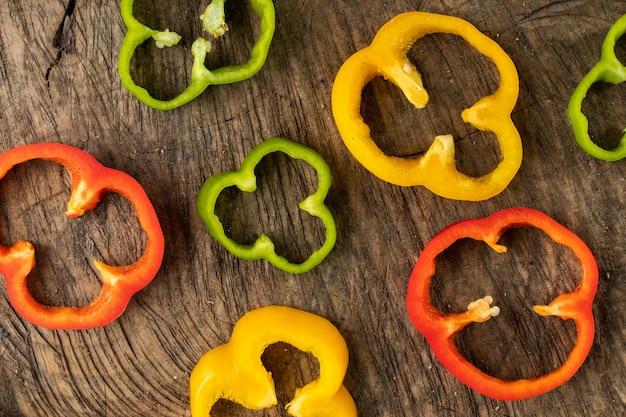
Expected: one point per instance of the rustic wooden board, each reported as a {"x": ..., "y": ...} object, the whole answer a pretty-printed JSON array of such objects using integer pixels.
[{"x": 59, "y": 83}]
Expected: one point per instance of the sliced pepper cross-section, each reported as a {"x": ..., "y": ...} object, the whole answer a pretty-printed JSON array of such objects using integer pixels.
[
  {"x": 245, "y": 180},
  {"x": 609, "y": 70},
  {"x": 436, "y": 169},
  {"x": 440, "y": 329},
  {"x": 90, "y": 181},
  {"x": 234, "y": 370},
  {"x": 213, "y": 22}
]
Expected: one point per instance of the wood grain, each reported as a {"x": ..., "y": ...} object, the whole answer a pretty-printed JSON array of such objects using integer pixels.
[{"x": 59, "y": 82}]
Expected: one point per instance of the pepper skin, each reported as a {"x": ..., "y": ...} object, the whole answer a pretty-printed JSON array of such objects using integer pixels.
[
  {"x": 234, "y": 371},
  {"x": 201, "y": 77},
  {"x": 90, "y": 181},
  {"x": 245, "y": 180},
  {"x": 610, "y": 70},
  {"x": 436, "y": 169},
  {"x": 440, "y": 329}
]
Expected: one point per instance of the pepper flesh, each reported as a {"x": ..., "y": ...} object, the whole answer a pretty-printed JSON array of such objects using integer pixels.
[
  {"x": 234, "y": 371},
  {"x": 610, "y": 70},
  {"x": 436, "y": 169},
  {"x": 90, "y": 181},
  {"x": 245, "y": 180},
  {"x": 201, "y": 77},
  {"x": 440, "y": 329}
]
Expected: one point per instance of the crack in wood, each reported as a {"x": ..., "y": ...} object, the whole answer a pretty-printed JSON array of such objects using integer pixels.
[{"x": 63, "y": 39}]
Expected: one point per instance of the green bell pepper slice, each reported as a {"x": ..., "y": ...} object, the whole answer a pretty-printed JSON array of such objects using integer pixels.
[
  {"x": 245, "y": 180},
  {"x": 609, "y": 69},
  {"x": 213, "y": 21}
]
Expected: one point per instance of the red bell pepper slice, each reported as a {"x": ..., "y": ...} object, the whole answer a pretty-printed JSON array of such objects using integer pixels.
[
  {"x": 440, "y": 329},
  {"x": 90, "y": 181}
]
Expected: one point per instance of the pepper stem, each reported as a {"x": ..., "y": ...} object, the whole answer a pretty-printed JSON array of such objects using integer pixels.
[{"x": 214, "y": 19}]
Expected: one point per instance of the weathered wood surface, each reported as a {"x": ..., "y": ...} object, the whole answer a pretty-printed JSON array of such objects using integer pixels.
[{"x": 59, "y": 82}]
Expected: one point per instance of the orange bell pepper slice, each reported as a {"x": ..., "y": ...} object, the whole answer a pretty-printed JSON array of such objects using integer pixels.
[{"x": 90, "y": 181}]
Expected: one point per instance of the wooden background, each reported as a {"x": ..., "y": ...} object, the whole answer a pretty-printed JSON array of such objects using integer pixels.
[{"x": 59, "y": 82}]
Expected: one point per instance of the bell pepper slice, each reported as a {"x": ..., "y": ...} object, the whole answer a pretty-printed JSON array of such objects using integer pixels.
[
  {"x": 90, "y": 181},
  {"x": 245, "y": 180},
  {"x": 436, "y": 169},
  {"x": 234, "y": 371},
  {"x": 213, "y": 21},
  {"x": 440, "y": 329},
  {"x": 610, "y": 70}
]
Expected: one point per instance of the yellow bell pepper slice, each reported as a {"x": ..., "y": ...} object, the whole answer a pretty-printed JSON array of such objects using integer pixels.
[
  {"x": 234, "y": 371},
  {"x": 436, "y": 169}
]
